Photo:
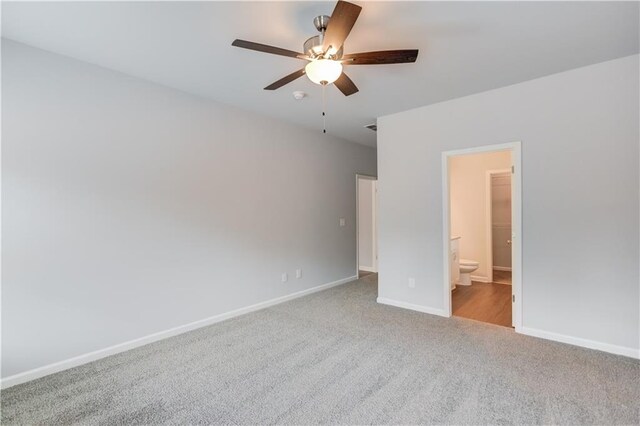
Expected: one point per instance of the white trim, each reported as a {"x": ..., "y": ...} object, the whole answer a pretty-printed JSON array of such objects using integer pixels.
[
  {"x": 502, "y": 268},
  {"x": 516, "y": 222},
  {"x": 516, "y": 234},
  {"x": 367, "y": 268},
  {"x": 36, "y": 373},
  {"x": 446, "y": 236},
  {"x": 411, "y": 306},
  {"x": 374, "y": 224},
  {"x": 480, "y": 279},
  {"x": 585, "y": 343}
]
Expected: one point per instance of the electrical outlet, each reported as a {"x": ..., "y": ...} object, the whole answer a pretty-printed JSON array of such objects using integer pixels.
[
  {"x": 298, "y": 273},
  {"x": 412, "y": 283},
  {"x": 343, "y": 222},
  {"x": 285, "y": 277}
]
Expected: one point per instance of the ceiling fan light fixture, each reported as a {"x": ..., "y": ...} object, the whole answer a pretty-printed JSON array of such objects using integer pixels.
[
  {"x": 323, "y": 71},
  {"x": 326, "y": 52}
]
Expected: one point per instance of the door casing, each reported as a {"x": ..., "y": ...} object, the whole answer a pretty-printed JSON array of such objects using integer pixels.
[{"x": 516, "y": 224}]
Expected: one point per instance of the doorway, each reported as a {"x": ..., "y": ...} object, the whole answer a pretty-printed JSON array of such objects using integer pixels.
[
  {"x": 481, "y": 234},
  {"x": 366, "y": 225}
]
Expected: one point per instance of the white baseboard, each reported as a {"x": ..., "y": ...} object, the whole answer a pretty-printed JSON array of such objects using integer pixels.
[
  {"x": 411, "y": 306},
  {"x": 131, "y": 344},
  {"x": 502, "y": 268},
  {"x": 480, "y": 278},
  {"x": 367, "y": 268},
  {"x": 577, "y": 341}
]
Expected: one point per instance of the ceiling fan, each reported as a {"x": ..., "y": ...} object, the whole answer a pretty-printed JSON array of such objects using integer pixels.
[{"x": 325, "y": 51}]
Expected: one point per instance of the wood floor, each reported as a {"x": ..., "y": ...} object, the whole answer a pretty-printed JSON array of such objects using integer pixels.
[
  {"x": 486, "y": 302},
  {"x": 502, "y": 277}
]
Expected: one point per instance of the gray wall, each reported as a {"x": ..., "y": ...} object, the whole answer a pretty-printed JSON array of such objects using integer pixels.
[
  {"x": 579, "y": 133},
  {"x": 129, "y": 208}
]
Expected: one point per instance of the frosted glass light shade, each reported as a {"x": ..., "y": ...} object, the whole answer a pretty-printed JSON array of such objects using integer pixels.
[{"x": 323, "y": 71}]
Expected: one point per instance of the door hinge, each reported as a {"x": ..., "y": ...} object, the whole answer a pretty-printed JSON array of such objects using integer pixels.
[
  {"x": 513, "y": 169},
  {"x": 513, "y": 298}
]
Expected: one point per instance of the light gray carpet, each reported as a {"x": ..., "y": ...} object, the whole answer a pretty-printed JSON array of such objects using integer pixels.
[{"x": 337, "y": 357}]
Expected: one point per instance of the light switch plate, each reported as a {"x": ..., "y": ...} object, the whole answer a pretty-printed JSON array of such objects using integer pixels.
[{"x": 343, "y": 222}]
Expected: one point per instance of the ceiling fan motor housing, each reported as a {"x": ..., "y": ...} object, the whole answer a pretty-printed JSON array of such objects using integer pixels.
[{"x": 313, "y": 48}]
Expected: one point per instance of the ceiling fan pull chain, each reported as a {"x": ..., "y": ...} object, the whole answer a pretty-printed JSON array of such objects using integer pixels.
[{"x": 324, "y": 107}]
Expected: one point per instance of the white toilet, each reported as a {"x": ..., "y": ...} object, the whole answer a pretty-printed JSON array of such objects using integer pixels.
[{"x": 466, "y": 268}]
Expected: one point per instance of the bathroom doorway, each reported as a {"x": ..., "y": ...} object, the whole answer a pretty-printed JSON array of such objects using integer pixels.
[
  {"x": 481, "y": 238},
  {"x": 366, "y": 225}
]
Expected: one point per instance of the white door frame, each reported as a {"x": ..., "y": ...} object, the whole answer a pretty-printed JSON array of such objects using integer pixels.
[
  {"x": 489, "y": 217},
  {"x": 374, "y": 230},
  {"x": 516, "y": 224}
]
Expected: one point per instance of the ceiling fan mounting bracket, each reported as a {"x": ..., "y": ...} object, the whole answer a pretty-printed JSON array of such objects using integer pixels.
[{"x": 321, "y": 22}]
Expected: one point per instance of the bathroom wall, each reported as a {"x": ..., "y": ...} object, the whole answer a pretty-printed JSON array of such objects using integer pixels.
[
  {"x": 468, "y": 186},
  {"x": 579, "y": 132}
]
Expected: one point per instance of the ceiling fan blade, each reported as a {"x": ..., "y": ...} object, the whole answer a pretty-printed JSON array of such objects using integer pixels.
[
  {"x": 342, "y": 19},
  {"x": 382, "y": 57},
  {"x": 285, "y": 80},
  {"x": 266, "y": 48},
  {"x": 345, "y": 85}
]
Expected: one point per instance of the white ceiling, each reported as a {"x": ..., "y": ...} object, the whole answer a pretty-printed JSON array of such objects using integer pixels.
[{"x": 465, "y": 48}]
